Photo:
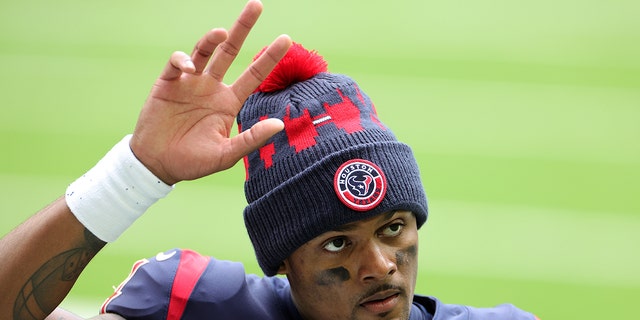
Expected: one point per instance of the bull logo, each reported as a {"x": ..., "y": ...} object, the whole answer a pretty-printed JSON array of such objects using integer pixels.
[{"x": 360, "y": 184}]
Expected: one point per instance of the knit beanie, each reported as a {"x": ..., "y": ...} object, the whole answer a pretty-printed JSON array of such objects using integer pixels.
[{"x": 334, "y": 163}]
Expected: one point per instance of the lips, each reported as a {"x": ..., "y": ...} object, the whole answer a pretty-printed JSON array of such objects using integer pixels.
[{"x": 381, "y": 302}]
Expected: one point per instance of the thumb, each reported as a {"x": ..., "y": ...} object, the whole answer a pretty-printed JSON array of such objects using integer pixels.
[{"x": 256, "y": 136}]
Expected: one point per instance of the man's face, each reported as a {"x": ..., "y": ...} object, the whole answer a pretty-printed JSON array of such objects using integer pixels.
[{"x": 362, "y": 270}]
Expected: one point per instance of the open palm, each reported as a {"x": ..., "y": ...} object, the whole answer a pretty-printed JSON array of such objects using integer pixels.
[{"x": 183, "y": 132}]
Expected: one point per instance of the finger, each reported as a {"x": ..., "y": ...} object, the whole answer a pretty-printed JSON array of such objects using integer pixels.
[
  {"x": 178, "y": 63},
  {"x": 255, "y": 137},
  {"x": 251, "y": 78},
  {"x": 205, "y": 48},
  {"x": 228, "y": 50}
]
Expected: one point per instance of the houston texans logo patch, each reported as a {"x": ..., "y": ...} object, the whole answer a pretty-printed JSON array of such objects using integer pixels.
[{"x": 360, "y": 184}]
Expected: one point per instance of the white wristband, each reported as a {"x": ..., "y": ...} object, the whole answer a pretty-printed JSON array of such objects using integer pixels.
[{"x": 114, "y": 193}]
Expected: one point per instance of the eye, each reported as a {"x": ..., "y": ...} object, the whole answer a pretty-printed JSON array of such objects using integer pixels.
[
  {"x": 393, "y": 229},
  {"x": 335, "y": 245}
]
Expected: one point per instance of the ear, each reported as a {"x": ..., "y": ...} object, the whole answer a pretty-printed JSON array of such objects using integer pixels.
[{"x": 284, "y": 267}]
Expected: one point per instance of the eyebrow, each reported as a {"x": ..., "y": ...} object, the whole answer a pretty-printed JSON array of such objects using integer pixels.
[{"x": 354, "y": 225}]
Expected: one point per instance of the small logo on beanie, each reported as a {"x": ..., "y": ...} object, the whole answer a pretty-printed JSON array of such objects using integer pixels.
[{"x": 360, "y": 184}]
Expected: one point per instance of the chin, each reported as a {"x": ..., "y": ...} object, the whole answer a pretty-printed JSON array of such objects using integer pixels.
[{"x": 394, "y": 307}]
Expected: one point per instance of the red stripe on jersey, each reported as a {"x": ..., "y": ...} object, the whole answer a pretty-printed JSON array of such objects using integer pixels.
[{"x": 191, "y": 267}]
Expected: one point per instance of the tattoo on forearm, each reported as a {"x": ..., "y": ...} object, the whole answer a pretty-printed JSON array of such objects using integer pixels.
[{"x": 38, "y": 296}]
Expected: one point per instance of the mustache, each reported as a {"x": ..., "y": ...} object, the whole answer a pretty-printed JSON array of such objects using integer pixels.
[{"x": 382, "y": 287}]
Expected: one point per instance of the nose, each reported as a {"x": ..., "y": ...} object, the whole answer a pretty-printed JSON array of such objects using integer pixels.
[{"x": 376, "y": 262}]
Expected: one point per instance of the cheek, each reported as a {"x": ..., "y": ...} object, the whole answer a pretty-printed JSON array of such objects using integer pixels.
[
  {"x": 323, "y": 293},
  {"x": 332, "y": 277},
  {"x": 407, "y": 255}
]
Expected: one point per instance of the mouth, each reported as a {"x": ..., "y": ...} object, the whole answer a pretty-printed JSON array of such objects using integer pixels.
[{"x": 381, "y": 302}]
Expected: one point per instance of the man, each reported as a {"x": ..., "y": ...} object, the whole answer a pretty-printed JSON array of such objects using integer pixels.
[{"x": 334, "y": 200}]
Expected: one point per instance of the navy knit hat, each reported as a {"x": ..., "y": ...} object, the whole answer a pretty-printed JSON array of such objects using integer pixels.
[{"x": 334, "y": 162}]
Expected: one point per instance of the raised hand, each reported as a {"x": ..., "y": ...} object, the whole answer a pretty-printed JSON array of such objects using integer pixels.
[{"x": 183, "y": 131}]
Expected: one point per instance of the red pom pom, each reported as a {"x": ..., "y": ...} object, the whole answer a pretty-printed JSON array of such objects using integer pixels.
[{"x": 298, "y": 64}]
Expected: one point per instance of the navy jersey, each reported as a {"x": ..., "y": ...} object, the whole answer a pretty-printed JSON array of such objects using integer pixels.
[{"x": 182, "y": 284}]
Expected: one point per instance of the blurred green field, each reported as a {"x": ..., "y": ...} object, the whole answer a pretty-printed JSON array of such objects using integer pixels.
[{"x": 525, "y": 117}]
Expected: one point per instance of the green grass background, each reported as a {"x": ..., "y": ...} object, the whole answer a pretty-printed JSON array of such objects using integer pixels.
[{"x": 524, "y": 115}]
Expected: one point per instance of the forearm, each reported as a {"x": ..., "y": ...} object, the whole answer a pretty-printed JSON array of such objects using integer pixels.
[
  {"x": 44, "y": 256},
  {"x": 42, "y": 259}
]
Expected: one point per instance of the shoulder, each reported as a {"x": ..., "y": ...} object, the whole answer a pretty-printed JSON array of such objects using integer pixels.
[
  {"x": 443, "y": 311},
  {"x": 186, "y": 283},
  {"x": 148, "y": 287}
]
